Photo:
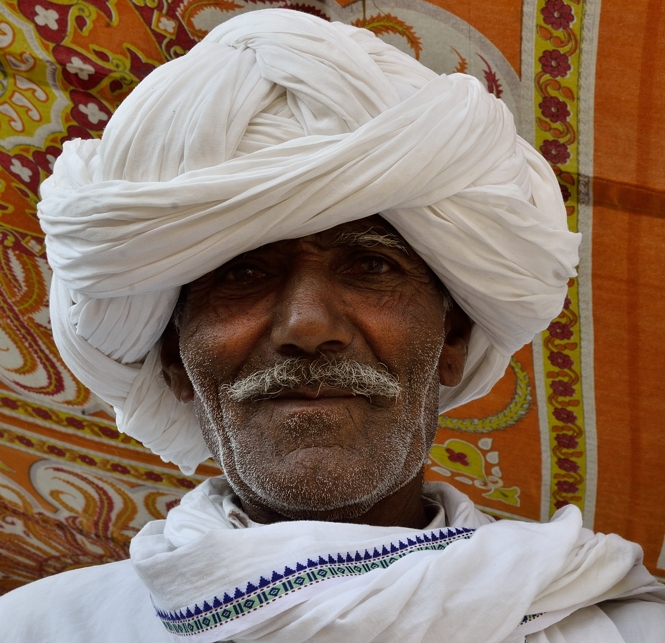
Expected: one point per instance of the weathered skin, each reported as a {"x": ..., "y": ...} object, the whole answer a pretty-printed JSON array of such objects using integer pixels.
[{"x": 320, "y": 453}]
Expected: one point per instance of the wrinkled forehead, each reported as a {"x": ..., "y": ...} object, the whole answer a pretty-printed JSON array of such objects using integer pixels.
[{"x": 372, "y": 231}]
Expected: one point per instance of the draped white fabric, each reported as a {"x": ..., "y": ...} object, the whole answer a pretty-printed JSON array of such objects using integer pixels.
[
  {"x": 278, "y": 125},
  {"x": 203, "y": 549},
  {"x": 477, "y": 586}
]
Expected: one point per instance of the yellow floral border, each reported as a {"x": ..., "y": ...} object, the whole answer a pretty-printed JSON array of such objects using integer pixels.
[{"x": 557, "y": 61}]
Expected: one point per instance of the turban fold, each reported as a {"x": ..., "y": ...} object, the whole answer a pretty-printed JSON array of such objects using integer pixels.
[{"x": 279, "y": 125}]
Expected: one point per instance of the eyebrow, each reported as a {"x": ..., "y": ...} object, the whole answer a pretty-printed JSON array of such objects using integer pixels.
[{"x": 370, "y": 239}]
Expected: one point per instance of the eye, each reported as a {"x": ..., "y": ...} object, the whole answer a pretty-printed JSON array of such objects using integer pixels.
[
  {"x": 242, "y": 273},
  {"x": 372, "y": 265}
]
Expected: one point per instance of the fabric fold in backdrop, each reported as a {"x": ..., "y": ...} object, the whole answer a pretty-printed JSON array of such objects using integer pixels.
[
  {"x": 213, "y": 579},
  {"x": 278, "y": 125}
]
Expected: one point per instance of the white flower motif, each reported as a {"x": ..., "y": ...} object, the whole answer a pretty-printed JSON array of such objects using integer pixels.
[
  {"x": 93, "y": 113},
  {"x": 80, "y": 68},
  {"x": 36, "y": 248},
  {"x": 46, "y": 17},
  {"x": 166, "y": 24},
  {"x": 20, "y": 170}
]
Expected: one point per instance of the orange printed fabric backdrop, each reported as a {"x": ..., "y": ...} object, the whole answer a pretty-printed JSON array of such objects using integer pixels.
[{"x": 578, "y": 416}]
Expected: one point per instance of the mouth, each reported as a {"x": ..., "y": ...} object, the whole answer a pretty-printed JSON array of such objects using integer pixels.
[
  {"x": 308, "y": 399},
  {"x": 311, "y": 399},
  {"x": 312, "y": 394}
]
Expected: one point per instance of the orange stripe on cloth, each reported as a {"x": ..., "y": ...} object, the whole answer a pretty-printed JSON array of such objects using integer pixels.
[{"x": 629, "y": 198}]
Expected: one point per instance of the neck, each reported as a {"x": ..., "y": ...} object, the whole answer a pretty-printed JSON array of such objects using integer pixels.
[{"x": 403, "y": 508}]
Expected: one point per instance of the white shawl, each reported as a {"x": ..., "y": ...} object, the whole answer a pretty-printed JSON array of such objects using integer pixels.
[{"x": 212, "y": 579}]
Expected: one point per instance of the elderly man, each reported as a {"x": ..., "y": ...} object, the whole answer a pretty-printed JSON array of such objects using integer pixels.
[{"x": 223, "y": 238}]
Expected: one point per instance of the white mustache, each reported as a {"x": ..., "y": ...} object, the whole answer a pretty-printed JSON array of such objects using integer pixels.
[{"x": 292, "y": 373}]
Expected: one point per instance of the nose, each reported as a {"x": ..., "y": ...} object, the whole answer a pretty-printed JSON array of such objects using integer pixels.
[{"x": 309, "y": 317}]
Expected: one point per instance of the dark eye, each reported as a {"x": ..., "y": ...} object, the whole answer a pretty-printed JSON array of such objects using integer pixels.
[
  {"x": 242, "y": 273},
  {"x": 372, "y": 265}
]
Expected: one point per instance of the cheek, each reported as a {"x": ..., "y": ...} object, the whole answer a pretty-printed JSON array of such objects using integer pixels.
[
  {"x": 405, "y": 329},
  {"x": 218, "y": 342}
]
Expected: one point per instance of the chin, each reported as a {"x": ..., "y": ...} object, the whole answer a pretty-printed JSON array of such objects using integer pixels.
[
  {"x": 295, "y": 489},
  {"x": 315, "y": 466}
]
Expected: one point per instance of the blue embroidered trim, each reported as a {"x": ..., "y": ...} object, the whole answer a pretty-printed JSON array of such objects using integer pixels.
[
  {"x": 531, "y": 617},
  {"x": 239, "y": 602}
]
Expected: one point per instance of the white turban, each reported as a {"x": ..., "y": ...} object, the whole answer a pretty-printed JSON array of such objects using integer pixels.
[{"x": 279, "y": 125}]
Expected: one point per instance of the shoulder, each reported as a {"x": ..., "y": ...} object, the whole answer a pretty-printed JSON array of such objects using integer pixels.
[{"x": 104, "y": 604}]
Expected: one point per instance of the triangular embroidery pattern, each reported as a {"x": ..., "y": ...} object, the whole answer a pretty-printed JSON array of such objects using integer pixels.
[{"x": 238, "y": 601}]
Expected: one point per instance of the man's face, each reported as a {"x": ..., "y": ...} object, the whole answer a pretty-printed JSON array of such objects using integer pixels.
[{"x": 307, "y": 448}]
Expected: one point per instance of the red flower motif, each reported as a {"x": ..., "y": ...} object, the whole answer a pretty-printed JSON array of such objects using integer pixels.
[
  {"x": 564, "y": 486},
  {"x": 565, "y": 192},
  {"x": 457, "y": 456},
  {"x": 55, "y": 450},
  {"x": 555, "y": 152},
  {"x": 559, "y": 330},
  {"x": 565, "y": 417},
  {"x": 568, "y": 465},
  {"x": 87, "y": 460},
  {"x": 8, "y": 403},
  {"x": 109, "y": 432},
  {"x": 75, "y": 423},
  {"x": 555, "y": 63},
  {"x": 120, "y": 468},
  {"x": 42, "y": 413},
  {"x": 567, "y": 303},
  {"x": 561, "y": 503},
  {"x": 557, "y": 14},
  {"x": 183, "y": 482},
  {"x": 565, "y": 440},
  {"x": 155, "y": 477},
  {"x": 26, "y": 442},
  {"x": 560, "y": 360},
  {"x": 562, "y": 389},
  {"x": 554, "y": 109}
]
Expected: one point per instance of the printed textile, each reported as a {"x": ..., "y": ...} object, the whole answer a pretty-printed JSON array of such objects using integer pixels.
[{"x": 576, "y": 419}]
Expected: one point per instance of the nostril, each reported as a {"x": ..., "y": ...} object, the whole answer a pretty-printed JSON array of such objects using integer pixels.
[
  {"x": 298, "y": 335},
  {"x": 291, "y": 350},
  {"x": 321, "y": 349}
]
